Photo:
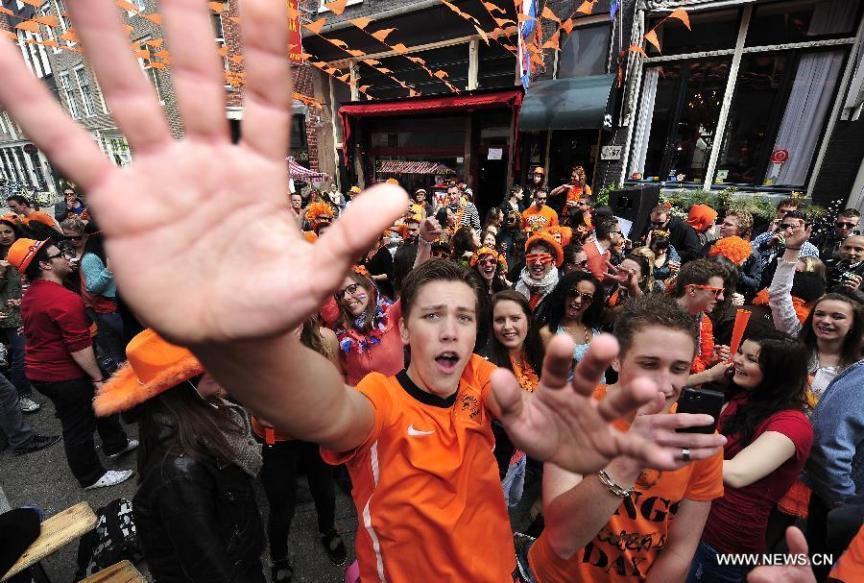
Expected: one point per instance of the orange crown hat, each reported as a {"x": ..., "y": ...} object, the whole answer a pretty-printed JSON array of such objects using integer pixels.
[
  {"x": 22, "y": 252},
  {"x": 735, "y": 249},
  {"x": 546, "y": 238},
  {"x": 12, "y": 218},
  {"x": 701, "y": 217},
  {"x": 565, "y": 233},
  {"x": 499, "y": 257},
  {"x": 318, "y": 212},
  {"x": 154, "y": 366}
]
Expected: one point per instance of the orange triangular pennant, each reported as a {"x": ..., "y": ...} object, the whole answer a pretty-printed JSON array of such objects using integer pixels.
[
  {"x": 681, "y": 14},
  {"x": 28, "y": 25},
  {"x": 218, "y": 7},
  {"x": 586, "y": 7},
  {"x": 549, "y": 15},
  {"x": 554, "y": 41},
  {"x": 651, "y": 37},
  {"x": 482, "y": 34},
  {"x": 154, "y": 17},
  {"x": 382, "y": 34},
  {"x": 127, "y": 6},
  {"x": 337, "y": 7},
  {"x": 36, "y": 3},
  {"x": 48, "y": 20},
  {"x": 361, "y": 23},
  {"x": 567, "y": 25},
  {"x": 491, "y": 7},
  {"x": 155, "y": 43},
  {"x": 338, "y": 42},
  {"x": 315, "y": 27},
  {"x": 638, "y": 49},
  {"x": 7, "y": 12},
  {"x": 399, "y": 48},
  {"x": 355, "y": 52}
]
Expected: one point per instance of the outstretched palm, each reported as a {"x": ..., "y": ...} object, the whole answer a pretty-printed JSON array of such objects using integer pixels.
[{"x": 203, "y": 242}]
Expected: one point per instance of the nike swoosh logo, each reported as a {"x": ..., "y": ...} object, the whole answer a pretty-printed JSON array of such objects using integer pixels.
[{"x": 414, "y": 432}]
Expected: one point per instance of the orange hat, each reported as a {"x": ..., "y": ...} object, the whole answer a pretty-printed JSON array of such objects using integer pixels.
[
  {"x": 539, "y": 170},
  {"x": 12, "y": 218},
  {"x": 354, "y": 189},
  {"x": 22, "y": 252},
  {"x": 392, "y": 181},
  {"x": 701, "y": 217},
  {"x": 546, "y": 238},
  {"x": 499, "y": 257},
  {"x": 153, "y": 366},
  {"x": 317, "y": 213}
]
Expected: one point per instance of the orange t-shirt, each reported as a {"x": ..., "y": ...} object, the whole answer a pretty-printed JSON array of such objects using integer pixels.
[
  {"x": 40, "y": 217},
  {"x": 850, "y": 567},
  {"x": 575, "y": 193},
  {"x": 535, "y": 220},
  {"x": 425, "y": 484},
  {"x": 625, "y": 549}
]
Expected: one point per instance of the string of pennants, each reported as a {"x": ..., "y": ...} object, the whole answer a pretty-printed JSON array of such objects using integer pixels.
[{"x": 159, "y": 58}]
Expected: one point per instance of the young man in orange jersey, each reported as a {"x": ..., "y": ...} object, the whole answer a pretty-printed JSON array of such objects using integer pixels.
[
  {"x": 233, "y": 288},
  {"x": 628, "y": 522}
]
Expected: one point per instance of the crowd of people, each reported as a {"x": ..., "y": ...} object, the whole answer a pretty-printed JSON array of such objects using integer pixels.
[{"x": 454, "y": 367}]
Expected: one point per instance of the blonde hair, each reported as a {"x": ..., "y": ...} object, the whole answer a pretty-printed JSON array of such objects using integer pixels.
[
  {"x": 73, "y": 224},
  {"x": 814, "y": 265}
]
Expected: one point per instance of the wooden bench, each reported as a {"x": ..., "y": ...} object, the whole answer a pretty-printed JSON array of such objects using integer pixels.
[
  {"x": 122, "y": 572},
  {"x": 57, "y": 532}
]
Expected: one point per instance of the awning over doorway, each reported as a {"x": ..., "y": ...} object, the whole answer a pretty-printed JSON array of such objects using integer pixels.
[
  {"x": 577, "y": 103},
  {"x": 299, "y": 172},
  {"x": 511, "y": 99}
]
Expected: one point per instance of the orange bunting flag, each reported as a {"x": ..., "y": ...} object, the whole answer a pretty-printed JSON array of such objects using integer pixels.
[
  {"x": 681, "y": 14},
  {"x": 554, "y": 41},
  {"x": 417, "y": 60},
  {"x": 142, "y": 54},
  {"x": 36, "y": 3},
  {"x": 315, "y": 27},
  {"x": 155, "y": 43},
  {"x": 7, "y": 12},
  {"x": 399, "y": 48},
  {"x": 344, "y": 78},
  {"x": 127, "y": 6},
  {"x": 48, "y": 20},
  {"x": 154, "y": 17},
  {"x": 70, "y": 35},
  {"x": 382, "y": 34},
  {"x": 638, "y": 49},
  {"x": 361, "y": 23},
  {"x": 503, "y": 22},
  {"x": 363, "y": 88},
  {"x": 51, "y": 43},
  {"x": 338, "y": 42},
  {"x": 236, "y": 59},
  {"x": 491, "y": 7},
  {"x": 567, "y": 25},
  {"x": 651, "y": 37},
  {"x": 337, "y": 7},
  {"x": 28, "y": 25},
  {"x": 355, "y": 52},
  {"x": 372, "y": 62},
  {"x": 217, "y": 7},
  {"x": 441, "y": 74},
  {"x": 383, "y": 70},
  {"x": 549, "y": 15},
  {"x": 586, "y": 7},
  {"x": 162, "y": 54}
]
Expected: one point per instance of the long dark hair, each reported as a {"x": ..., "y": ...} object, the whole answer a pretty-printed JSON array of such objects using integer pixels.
[
  {"x": 783, "y": 361},
  {"x": 180, "y": 422},
  {"x": 462, "y": 241},
  {"x": 850, "y": 352},
  {"x": 5, "y": 250},
  {"x": 532, "y": 347},
  {"x": 551, "y": 310},
  {"x": 346, "y": 319}
]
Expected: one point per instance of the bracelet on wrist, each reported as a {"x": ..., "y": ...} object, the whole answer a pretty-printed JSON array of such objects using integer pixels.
[{"x": 614, "y": 487}]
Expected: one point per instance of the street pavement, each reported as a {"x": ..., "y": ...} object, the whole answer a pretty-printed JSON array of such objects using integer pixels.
[{"x": 43, "y": 479}]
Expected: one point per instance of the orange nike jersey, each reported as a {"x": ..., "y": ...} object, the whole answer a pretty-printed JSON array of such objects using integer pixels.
[{"x": 426, "y": 488}]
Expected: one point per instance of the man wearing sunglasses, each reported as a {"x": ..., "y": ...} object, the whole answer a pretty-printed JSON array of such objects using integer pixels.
[
  {"x": 845, "y": 224},
  {"x": 769, "y": 246}
]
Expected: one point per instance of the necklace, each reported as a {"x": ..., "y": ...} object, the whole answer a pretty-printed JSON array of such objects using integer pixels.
[{"x": 587, "y": 332}]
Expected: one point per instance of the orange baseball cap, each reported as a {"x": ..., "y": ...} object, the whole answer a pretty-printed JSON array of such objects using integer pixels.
[{"x": 23, "y": 251}]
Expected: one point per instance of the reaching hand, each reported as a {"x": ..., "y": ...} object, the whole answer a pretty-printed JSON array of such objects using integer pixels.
[
  {"x": 561, "y": 422},
  {"x": 430, "y": 230},
  {"x": 798, "y": 236},
  {"x": 786, "y": 574},
  {"x": 211, "y": 251}
]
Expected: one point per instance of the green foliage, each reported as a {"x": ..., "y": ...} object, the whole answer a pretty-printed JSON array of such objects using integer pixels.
[
  {"x": 602, "y": 199},
  {"x": 759, "y": 206}
]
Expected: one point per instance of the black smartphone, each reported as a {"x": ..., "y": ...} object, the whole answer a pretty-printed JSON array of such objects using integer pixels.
[{"x": 700, "y": 401}]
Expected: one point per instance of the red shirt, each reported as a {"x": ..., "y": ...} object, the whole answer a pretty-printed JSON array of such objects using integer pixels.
[
  {"x": 738, "y": 520},
  {"x": 55, "y": 325}
]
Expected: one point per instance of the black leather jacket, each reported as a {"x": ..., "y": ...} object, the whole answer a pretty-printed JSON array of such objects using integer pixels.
[{"x": 198, "y": 521}]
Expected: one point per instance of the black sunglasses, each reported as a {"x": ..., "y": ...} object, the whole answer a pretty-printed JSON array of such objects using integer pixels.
[{"x": 845, "y": 225}]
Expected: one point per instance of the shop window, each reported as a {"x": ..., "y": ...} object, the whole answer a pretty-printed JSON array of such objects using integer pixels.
[
  {"x": 497, "y": 66},
  {"x": 711, "y": 30},
  {"x": 686, "y": 101},
  {"x": 585, "y": 52},
  {"x": 802, "y": 20},
  {"x": 298, "y": 132}
]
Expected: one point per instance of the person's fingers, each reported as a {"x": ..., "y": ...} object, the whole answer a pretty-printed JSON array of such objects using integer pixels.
[
  {"x": 653, "y": 407},
  {"x": 127, "y": 91},
  {"x": 556, "y": 364},
  {"x": 354, "y": 233},
  {"x": 267, "y": 100},
  {"x": 508, "y": 394},
  {"x": 69, "y": 147},
  {"x": 590, "y": 370},
  {"x": 796, "y": 541},
  {"x": 645, "y": 452},
  {"x": 197, "y": 70},
  {"x": 623, "y": 403}
]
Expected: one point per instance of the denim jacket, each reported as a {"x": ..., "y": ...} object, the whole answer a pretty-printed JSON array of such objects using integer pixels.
[{"x": 835, "y": 469}]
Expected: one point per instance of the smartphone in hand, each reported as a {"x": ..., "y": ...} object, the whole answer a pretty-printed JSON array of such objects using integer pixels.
[{"x": 700, "y": 401}]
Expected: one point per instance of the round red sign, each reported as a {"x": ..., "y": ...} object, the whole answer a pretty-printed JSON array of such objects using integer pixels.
[{"x": 779, "y": 156}]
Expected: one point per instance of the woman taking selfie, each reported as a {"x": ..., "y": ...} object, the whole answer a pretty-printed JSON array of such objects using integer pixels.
[{"x": 769, "y": 438}]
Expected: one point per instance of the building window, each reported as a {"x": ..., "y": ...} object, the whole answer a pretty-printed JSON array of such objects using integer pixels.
[
  {"x": 62, "y": 16},
  {"x": 686, "y": 107},
  {"x": 87, "y": 97},
  {"x": 150, "y": 71},
  {"x": 219, "y": 33},
  {"x": 49, "y": 31},
  {"x": 711, "y": 30},
  {"x": 585, "y": 51},
  {"x": 68, "y": 95},
  {"x": 801, "y": 21},
  {"x": 31, "y": 57}
]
